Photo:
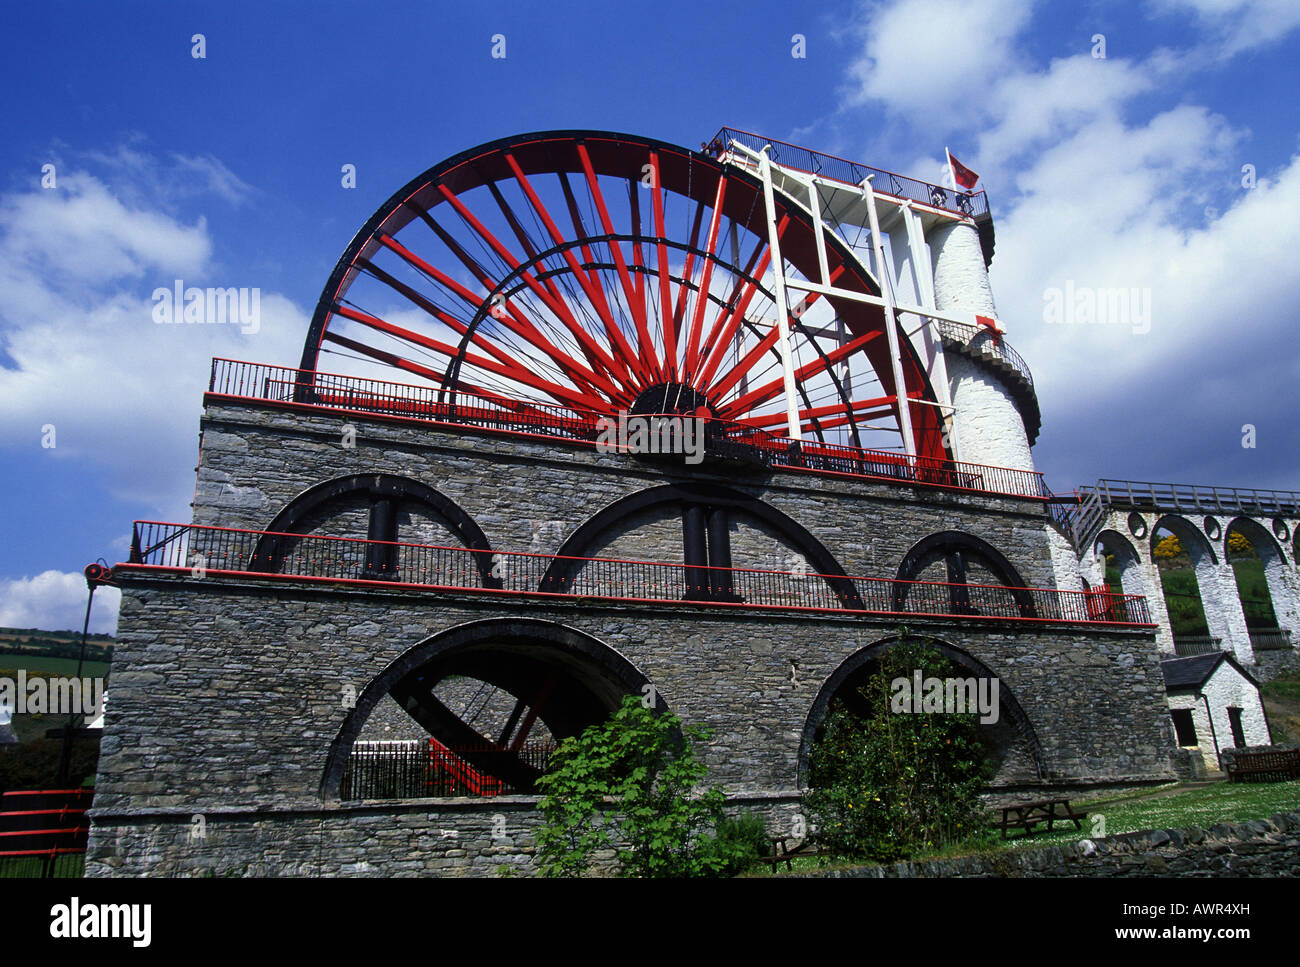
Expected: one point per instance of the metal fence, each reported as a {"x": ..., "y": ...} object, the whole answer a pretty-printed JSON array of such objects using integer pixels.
[
  {"x": 982, "y": 340},
  {"x": 43, "y": 832},
  {"x": 853, "y": 173},
  {"x": 723, "y": 439},
  {"x": 1270, "y": 639},
  {"x": 1144, "y": 495},
  {"x": 1186, "y": 646},
  {"x": 200, "y": 549},
  {"x": 419, "y": 769}
]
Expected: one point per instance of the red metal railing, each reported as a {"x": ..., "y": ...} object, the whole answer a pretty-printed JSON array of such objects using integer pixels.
[
  {"x": 288, "y": 386},
  {"x": 203, "y": 550},
  {"x": 42, "y": 825}
]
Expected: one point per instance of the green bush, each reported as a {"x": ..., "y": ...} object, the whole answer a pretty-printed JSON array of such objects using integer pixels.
[
  {"x": 627, "y": 785},
  {"x": 739, "y": 843},
  {"x": 886, "y": 785},
  {"x": 34, "y": 763}
]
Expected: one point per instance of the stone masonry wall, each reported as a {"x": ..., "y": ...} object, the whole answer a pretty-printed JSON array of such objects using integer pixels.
[
  {"x": 227, "y": 695},
  {"x": 531, "y": 495}
]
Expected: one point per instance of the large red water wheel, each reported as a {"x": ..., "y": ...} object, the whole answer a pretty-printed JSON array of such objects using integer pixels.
[{"x": 600, "y": 272}]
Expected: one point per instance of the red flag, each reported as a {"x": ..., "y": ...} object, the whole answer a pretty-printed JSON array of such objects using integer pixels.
[
  {"x": 961, "y": 175},
  {"x": 991, "y": 324}
]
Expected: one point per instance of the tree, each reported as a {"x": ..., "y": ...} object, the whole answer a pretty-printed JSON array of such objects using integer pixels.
[
  {"x": 885, "y": 784},
  {"x": 1167, "y": 547},
  {"x": 627, "y": 784}
]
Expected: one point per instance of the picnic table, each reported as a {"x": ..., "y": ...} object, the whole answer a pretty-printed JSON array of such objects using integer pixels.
[
  {"x": 783, "y": 853},
  {"x": 1027, "y": 815}
]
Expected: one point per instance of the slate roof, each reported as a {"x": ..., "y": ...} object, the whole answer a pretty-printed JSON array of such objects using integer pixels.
[{"x": 1195, "y": 671}]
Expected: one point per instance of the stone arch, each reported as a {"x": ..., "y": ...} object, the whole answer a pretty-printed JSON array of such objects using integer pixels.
[
  {"x": 1010, "y": 708},
  {"x": 959, "y": 550},
  {"x": 1208, "y": 597},
  {"x": 384, "y": 490},
  {"x": 1112, "y": 598},
  {"x": 1189, "y": 536},
  {"x": 1266, "y": 545},
  {"x": 1127, "y": 560},
  {"x": 592, "y": 678},
  {"x": 1281, "y": 598},
  {"x": 561, "y": 574}
]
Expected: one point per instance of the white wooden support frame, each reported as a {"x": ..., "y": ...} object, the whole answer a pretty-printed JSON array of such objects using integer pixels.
[
  {"x": 887, "y": 301},
  {"x": 794, "y": 424}
]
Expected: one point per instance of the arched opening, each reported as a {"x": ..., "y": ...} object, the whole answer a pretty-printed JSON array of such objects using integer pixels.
[
  {"x": 1259, "y": 568},
  {"x": 725, "y": 540},
  {"x": 959, "y": 562},
  {"x": 1185, "y": 562},
  {"x": 1012, "y": 747},
  {"x": 1121, "y": 575},
  {"x": 403, "y": 517},
  {"x": 1122, "y": 564},
  {"x": 477, "y": 710}
]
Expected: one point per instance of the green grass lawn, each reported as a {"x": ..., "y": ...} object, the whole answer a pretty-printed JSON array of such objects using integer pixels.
[
  {"x": 1221, "y": 802},
  {"x": 67, "y": 865},
  {"x": 10, "y": 662},
  {"x": 1165, "y": 807}
]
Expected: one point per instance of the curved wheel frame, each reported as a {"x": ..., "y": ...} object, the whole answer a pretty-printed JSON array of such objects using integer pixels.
[{"x": 584, "y": 269}]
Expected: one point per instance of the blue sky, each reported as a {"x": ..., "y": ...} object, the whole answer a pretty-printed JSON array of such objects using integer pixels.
[{"x": 1116, "y": 172}]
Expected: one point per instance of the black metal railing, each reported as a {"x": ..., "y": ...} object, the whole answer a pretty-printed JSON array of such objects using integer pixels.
[
  {"x": 981, "y": 340},
  {"x": 1270, "y": 639},
  {"x": 852, "y": 173},
  {"x": 1143, "y": 495},
  {"x": 419, "y": 769},
  {"x": 722, "y": 438},
  {"x": 1186, "y": 646},
  {"x": 200, "y": 550}
]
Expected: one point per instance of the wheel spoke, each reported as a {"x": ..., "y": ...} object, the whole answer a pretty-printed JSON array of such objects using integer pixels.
[
  {"x": 665, "y": 292},
  {"x": 647, "y": 356},
  {"x": 538, "y": 284},
  {"x": 701, "y": 300},
  {"x": 506, "y": 316}
]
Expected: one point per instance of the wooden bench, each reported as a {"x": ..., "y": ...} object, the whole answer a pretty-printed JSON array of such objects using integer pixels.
[
  {"x": 1266, "y": 765},
  {"x": 781, "y": 853},
  {"x": 1027, "y": 815}
]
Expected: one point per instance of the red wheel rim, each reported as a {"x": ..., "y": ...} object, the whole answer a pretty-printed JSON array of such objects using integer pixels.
[{"x": 589, "y": 271}]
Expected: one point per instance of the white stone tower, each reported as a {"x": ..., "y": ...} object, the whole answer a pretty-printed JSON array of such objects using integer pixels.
[{"x": 989, "y": 387}]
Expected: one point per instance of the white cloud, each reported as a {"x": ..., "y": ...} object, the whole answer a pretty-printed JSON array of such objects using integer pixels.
[
  {"x": 80, "y": 235},
  {"x": 1230, "y": 275},
  {"x": 1234, "y": 26},
  {"x": 935, "y": 57},
  {"x": 1108, "y": 175},
  {"x": 147, "y": 180},
  {"x": 1035, "y": 108},
  {"x": 78, "y": 267},
  {"x": 56, "y": 601}
]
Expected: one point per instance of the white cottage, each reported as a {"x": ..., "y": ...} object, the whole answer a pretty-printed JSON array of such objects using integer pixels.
[{"x": 1214, "y": 704}]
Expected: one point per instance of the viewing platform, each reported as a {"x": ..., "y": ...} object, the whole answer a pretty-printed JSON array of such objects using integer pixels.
[
  {"x": 745, "y": 442},
  {"x": 205, "y": 551}
]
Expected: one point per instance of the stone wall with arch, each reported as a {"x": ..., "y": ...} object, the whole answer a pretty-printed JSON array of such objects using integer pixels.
[{"x": 1206, "y": 538}]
